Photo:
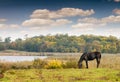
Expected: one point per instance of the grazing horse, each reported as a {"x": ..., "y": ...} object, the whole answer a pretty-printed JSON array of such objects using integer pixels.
[{"x": 88, "y": 57}]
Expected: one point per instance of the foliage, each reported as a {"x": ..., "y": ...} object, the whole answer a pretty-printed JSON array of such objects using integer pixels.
[
  {"x": 2, "y": 46},
  {"x": 3, "y": 68},
  {"x": 70, "y": 64},
  {"x": 54, "y": 64},
  {"x": 65, "y": 43},
  {"x": 8, "y": 40},
  {"x": 38, "y": 63}
]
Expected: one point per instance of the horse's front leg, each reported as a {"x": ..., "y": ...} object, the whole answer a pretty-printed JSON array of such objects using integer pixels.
[
  {"x": 98, "y": 62},
  {"x": 86, "y": 63}
]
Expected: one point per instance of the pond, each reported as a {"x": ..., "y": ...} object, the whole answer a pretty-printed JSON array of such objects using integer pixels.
[{"x": 20, "y": 58}]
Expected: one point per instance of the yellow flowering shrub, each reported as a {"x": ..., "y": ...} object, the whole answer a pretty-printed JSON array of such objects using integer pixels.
[{"x": 54, "y": 64}]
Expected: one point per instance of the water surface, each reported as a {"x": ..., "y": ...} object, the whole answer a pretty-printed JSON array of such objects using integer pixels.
[{"x": 20, "y": 58}]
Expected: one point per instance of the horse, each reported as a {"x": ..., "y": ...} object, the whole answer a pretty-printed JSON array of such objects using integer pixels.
[{"x": 88, "y": 57}]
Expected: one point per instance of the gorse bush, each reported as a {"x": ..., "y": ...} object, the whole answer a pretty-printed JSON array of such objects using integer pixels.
[{"x": 54, "y": 64}]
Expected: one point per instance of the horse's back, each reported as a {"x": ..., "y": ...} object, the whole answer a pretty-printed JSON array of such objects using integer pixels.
[{"x": 94, "y": 55}]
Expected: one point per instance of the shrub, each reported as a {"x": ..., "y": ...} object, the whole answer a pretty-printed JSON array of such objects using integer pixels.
[
  {"x": 54, "y": 64},
  {"x": 4, "y": 67},
  {"x": 70, "y": 64},
  {"x": 38, "y": 63},
  {"x": 21, "y": 65}
]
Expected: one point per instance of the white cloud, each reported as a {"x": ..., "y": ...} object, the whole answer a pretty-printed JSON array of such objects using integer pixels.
[
  {"x": 93, "y": 23},
  {"x": 9, "y": 26},
  {"x": 45, "y": 22},
  {"x": 61, "y": 22},
  {"x": 37, "y": 22},
  {"x": 44, "y": 14},
  {"x": 3, "y": 20},
  {"x": 14, "y": 26},
  {"x": 2, "y": 26},
  {"x": 117, "y": 0},
  {"x": 83, "y": 25},
  {"x": 45, "y": 18},
  {"x": 75, "y": 12},
  {"x": 64, "y": 12},
  {"x": 101, "y": 22},
  {"x": 88, "y": 23},
  {"x": 111, "y": 19},
  {"x": 116, "y": 11}
]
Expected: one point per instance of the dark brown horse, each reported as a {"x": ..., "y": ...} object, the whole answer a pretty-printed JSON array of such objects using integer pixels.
[{"x": 88, "y": 57}]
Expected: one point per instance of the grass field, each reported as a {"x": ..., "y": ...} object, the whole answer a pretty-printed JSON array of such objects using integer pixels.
[
  {"x": 109, "y": 70},
  {"x": 62, "y": 75}
]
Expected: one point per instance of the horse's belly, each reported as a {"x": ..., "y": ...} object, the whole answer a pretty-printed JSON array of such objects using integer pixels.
[{"x": 91, "y": 58}]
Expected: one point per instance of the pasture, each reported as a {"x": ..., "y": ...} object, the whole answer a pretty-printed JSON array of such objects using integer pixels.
[
  {"x": 62, "y": 75},
  {"x": 109, "y": 70}
]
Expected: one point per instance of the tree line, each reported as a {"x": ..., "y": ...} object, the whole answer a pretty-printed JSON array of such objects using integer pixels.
[{"x": 64, "y": 43}]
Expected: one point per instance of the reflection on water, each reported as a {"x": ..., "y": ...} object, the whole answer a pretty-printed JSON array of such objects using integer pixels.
[{"x": 20, "y": 58}]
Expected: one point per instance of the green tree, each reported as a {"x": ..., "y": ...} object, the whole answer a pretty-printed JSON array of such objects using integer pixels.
[{"x": 8, "y": 40}]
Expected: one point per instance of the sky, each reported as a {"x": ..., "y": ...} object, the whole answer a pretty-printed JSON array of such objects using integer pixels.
[{"x": 73, "y": 17}]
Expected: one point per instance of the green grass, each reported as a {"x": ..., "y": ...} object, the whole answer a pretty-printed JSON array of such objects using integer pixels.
[{"x": 62, "y": 75}]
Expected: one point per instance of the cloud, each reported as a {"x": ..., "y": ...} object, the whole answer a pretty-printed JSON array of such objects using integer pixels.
[
  {"x": 37, "y": 22},
  {"x": 89, "y": 23},
  {"x": 64, "y": 12},
  {"x": 13, "y": 26},
  {"x": 45, "y": 17},
  {"x": 45, "y": 22},
  {"x": 117, "y": 0},
  {"x": 2, "y": 26},
  {"x": 116, "y": 11},
  {"x": 83, "y": 25},
  {"x": 75, "y": 12},
  {"x": 110, "y": 19},
  {"x": 9, "y": 26},
  {"x": 61, "y": 22},
  {"x": 91, "y": 20},
  {"x": 93, "y": 23},
  {"x": 102, "y": 21},
  {"x": 3, "y": 20}
]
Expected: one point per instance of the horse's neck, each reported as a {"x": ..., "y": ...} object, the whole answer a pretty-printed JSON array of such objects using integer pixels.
[
  {"x": 81, "y": 60},
  {"x": 82, "y": 57}
]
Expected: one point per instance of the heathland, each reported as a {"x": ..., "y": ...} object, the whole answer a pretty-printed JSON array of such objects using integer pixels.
[{"x": 62, "y": 68}]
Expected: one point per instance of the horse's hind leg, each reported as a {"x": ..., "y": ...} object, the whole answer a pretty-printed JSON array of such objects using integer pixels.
[{"x": 98, "y": 62}]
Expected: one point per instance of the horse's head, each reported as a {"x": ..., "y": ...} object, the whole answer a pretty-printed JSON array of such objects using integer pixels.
[
  {"x": 79, "y": 65},
  {"x": 81, "y": 59}
]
